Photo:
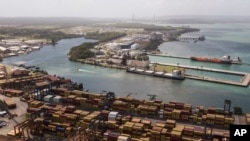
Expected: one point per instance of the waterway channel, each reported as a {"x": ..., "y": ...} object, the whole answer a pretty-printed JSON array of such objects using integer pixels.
[{"x": 54, "y": 60}]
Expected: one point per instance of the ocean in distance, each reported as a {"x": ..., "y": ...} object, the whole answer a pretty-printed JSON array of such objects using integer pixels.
[{"x": 221, "y": 39}]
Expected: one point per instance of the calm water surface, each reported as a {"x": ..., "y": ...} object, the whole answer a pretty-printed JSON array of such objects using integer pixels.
[{"x": 220, "y": 40}]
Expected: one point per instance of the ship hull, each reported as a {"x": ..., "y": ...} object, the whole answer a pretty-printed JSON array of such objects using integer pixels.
[
  {"x": 163, "y": 75},
  {"x": 212, "y": 60}
]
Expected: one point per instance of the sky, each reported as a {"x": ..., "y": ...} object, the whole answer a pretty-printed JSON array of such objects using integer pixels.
[{"x": 122, "y": 8}]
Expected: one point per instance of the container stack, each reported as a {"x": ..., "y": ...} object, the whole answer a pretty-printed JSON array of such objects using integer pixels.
[
  {"x": 248, "y": 119},
  {"x": 85, "y": 121},
  {"x": 187, "y": 107},
  {"x": 176, "y": 133},
  {"x": 57, "y": 128},
  {"x": 112, "y": 121},
  {"x": 185, "y": 115},
  {"x": 137, "y": 130},
  {"x": 177, "y": 111},
  {"x": 105, "y": 114},
  {"x": 218, "y": 135},
  {"x": 125, "y": 119},
  {"x": 10, "y": 103},
  {"x": 142, "y": 109},
  {"x": 152, "y": 110},
  {"x": 110, "y": 136},
  {"x": 112, "y": 116},
  {"x": 167, "y": 114},
  {"x": 112, "y": 125},
  {"x": 35, "y": 103},
  {"x": 176, "y": 114},
  {"x": 32, "y": 112},
  {"x": 170, "y": 124},
  {"x": 57, "y": 99},
  {"x": 188, "y": 131},
  {"x": 159, "y": 104},
  {"x": 147, "y": 123},
  {"x": 198, "y": 132},
  {"x": 70, "y": 109},
  {"x": 48, "y": 98},
  {"x": 228, "y": 121},
  {"x": 165, "y": 134},
  {"x": 156, "y": 133},
  {"x": 219, "y": 120},
  {"x": 211, "y": 110},
  {"x": 119, "y": 105},
  {"x": 210, "y": 119},
  {"x": 124, "y": 138},
  {"x": 127, "y": 127},
  {"x": 37, "y": 127},
  {"x": 136, "y": 120}
]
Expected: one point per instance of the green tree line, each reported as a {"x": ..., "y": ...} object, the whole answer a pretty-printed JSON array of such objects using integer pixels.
[
  {"x": 35, "y": 33},
  {"x": 82, "y": 51},
  {"x": 105, "y": 36}
]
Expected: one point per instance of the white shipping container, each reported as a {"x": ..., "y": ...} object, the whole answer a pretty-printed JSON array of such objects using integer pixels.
[
  {"x": 112, "y": 115},
  {"x": 57, "y": 99},
  {"x": 123, "y": 138},
  {"x": 160, "y": 114},
  {"x": 48, "y": 98}
]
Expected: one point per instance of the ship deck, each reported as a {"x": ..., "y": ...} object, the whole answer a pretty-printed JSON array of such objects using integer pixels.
[{"x": 244, "y": 82}]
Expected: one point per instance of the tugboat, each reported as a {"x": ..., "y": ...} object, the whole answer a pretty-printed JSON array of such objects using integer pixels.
[{"x": 201, "y": 38}]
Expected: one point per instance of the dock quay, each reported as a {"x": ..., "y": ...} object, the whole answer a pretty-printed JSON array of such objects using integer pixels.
[
  {"x": 183, "y": 57},
  {"x": 201, "y": 38},
  {"x": 50, "y": 109},
  {"x": 169, "y": 56},
  {"x": 244, "y": 81}
]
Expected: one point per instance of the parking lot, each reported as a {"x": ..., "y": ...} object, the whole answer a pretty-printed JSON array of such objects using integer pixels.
[{"x": 20, "y": 111}]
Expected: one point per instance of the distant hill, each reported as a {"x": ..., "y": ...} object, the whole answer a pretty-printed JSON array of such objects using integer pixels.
[
  {"x": 66, "y": 21},
  {"x": 203, "y": 19},
  {"x": 77, "y": 21}
]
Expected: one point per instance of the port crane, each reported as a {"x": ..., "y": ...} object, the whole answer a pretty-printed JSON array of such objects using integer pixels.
[
  {"x": 151, "y": 97},
  {"x": 129, "y": 94},
  {"x": 227, "y": 105},
  {"x": 97, "y": 124},
  {"x": 108, "y": 99}
]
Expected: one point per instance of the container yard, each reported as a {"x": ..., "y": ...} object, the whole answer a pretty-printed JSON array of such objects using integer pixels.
[{"x": 46, "y": 107}]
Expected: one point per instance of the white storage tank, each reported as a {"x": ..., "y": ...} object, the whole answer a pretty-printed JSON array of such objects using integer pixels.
[{"x": 135, "y": 46}]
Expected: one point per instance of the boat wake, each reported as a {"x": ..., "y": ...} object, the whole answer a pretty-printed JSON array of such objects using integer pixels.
[{"x": 85, "y": 70}]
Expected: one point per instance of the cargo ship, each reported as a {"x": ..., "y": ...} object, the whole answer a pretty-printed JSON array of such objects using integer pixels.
[
  {"x": 175, "y": 74},
  {"x": 224, "y": 60}
]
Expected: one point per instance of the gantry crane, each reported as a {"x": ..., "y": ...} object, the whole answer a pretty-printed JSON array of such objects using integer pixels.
[{"x": 151, "y": 97}]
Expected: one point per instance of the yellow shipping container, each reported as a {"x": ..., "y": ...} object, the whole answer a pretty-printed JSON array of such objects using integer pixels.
[
  {"x": 28, "y": 115},
  {"x": 136, "y": 120},
  {"x": 248, "y": 115},
  {"x": 219, "y": 117},
  {"x": 121, "y": 129},
  {"x": 178, "y": 128},
  {"x": 248, "y": 121}
]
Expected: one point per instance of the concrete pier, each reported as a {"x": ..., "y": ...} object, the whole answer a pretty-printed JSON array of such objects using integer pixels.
[
  {"x": 244, "y": 81},
  {"x": 169, "y": 56}
]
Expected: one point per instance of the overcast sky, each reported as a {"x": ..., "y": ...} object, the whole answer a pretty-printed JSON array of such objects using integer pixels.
[{"x": 121, "y": 8}]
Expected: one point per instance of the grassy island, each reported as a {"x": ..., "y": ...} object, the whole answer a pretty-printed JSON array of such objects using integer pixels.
[{"x": 83, "y": 51}]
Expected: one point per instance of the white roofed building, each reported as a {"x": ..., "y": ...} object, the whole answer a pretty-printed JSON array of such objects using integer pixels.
[
  {"x": 156, "y": 36},
  {"x": 134, "y": 46}
]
